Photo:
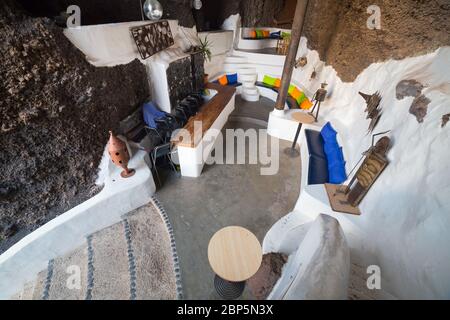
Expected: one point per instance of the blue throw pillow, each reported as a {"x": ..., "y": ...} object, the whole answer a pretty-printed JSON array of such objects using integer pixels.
[
  {"x": 232, "y": 78},
  {"x": 328, "y": 133},
  {"x": 275, "y": 34},
  {"x": 335, "y": 156},
  {"x": 336, "y": 173}
]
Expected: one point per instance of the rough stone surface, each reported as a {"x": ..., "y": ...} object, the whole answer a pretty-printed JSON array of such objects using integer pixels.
[
  {"x": 262, "y": 283},
  {"x": 111, "y": 278},
  {"x": 338, "y": 31},
  {"x": 56, "y": 110},
  {"x": 39, "y": 285},
  {"x": 155, "y": 276},
  {"x": 64, "y": 285},
  {"x": 419, "y": 107},
  {"x": 408, "y": 88},
  {"x": 260, "y": 13}
]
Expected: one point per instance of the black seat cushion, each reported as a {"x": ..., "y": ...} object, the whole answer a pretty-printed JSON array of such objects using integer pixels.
[
  {"x": 315, "y": 143},
  {"x": 318, "y": 170}
]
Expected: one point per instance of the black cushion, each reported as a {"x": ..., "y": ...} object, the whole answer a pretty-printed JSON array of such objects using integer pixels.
[
  {"x": 318, "y": 170},
  {"x": 315, "y": 143}
]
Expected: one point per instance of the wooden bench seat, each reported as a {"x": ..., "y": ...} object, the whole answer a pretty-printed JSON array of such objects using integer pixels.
[{"x": 208, "y": 113}]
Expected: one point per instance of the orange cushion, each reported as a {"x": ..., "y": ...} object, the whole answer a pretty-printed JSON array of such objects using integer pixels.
[
  {"x": 277, "y": 83},
  {"x": 223, "y": 80},
  {"x": 306, "y": 104},
  {"x": 266, "y": 34},
  {"x": 253, "y": 34},
  {"x": 296, "y": 93}
]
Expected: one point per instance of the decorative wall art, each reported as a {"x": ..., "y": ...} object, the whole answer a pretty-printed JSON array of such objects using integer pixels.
[
  {"x": 152, "y": 38},
  {"x": 346, "y": 198},
  {"x": 373, "y": 112}
]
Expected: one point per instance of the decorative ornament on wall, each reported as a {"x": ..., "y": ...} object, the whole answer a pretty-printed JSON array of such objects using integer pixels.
[
  {"x": 153, "y": 9},
  {"x": 197, "y": 4},
  {"x": 301, "y": 62},
  {"x": 445, "y": 119},
  {"x": 118, "y": 152},
  {"x": 372, "y": 109},
  {"x": 152, "y": 38}
]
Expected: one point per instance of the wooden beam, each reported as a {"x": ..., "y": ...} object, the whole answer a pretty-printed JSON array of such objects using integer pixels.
[{"x": 297, "y": 28}]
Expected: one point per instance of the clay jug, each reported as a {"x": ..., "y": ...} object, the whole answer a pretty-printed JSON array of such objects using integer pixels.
[{"x": 118, "y": 152}]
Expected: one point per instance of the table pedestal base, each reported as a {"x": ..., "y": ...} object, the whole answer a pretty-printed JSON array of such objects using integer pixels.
[{"x": 228, "y": 290}]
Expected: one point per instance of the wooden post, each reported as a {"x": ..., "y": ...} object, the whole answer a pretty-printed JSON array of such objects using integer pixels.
[{"x": 297, "y": 27}]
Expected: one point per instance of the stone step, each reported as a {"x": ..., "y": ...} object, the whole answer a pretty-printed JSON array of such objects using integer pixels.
[
  {"x": 251, "y": 90},
  {"x": 248, "y": 78},
  {"x": 26, "y": 293},
  {"x": 152, "y": 257},
  {"x": 246, "y": 70},
  {"x": 235, "y": 59},
  {"x": 69, "y": 279},
  {"x": 108, "y": 268},
  {"x": 39, "y": 285},
  {"x": 250, "y": 97}
]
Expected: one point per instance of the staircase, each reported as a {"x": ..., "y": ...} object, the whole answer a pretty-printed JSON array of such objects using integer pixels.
[
  {"x": 134, "y": 259},
  {"x": 247, "y": 76}
]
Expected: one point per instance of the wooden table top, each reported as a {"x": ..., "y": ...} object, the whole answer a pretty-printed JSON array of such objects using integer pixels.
[
  {"x": 303, "y": 117},
  {"x": 207, "y": 114},
  {"x": 234, "y": 254}
]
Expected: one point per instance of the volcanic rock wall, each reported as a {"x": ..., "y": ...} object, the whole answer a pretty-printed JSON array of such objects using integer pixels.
[
  {"x": 338, "y": 30},
  {"x": 55, "y": 113},
  {"x": 111, "y": 11}
]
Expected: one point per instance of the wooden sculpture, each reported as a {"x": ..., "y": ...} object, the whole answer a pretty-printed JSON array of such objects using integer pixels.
[
  {"x": 372, "y": 167},
  {"x": 347, "y": 198},
  {"x": 301, "y": 62},
  {"x": 373, "y": 113},
  {"x": 118, "y": 152}
]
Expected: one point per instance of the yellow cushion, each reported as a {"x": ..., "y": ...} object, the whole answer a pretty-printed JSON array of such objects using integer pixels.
[
  {"x": 306, "y": 104},
  {"x": 266, "y": 33},
  {"x": 223, "y": 80}
]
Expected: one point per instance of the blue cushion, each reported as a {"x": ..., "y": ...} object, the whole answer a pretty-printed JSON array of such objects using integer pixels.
[
  {"x": 337, "y": 173},
  {"x": 315, "y": 143},
  {"x": 232, "y": 78},
  {"x": 328, "y": 133},
  {"x": 333, "y": 152},
  {"x": 275, "y": 34},
  {"x": 335, "y": 157},
  {"x": 317, "y": 170}
]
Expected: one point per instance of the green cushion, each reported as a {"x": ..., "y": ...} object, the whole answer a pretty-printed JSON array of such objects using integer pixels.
[
  {"x": 259, "y": 34},
  {"x": 285, "y": 34},
  {"x": 269, "y": 80},
  {"x": 301, "y": 98},
  {"x": 291, "y": 88}
]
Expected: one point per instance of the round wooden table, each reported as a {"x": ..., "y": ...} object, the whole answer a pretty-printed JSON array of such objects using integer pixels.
[
  {"x": 235, "y": 255},
  {"x": 301, "y": 118}
]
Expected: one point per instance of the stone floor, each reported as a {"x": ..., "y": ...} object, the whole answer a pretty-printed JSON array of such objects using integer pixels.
[{"x": 226, "y": 195}]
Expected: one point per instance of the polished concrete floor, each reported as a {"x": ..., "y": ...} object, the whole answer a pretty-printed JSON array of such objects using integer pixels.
[{"x": 226, "y": 195}]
